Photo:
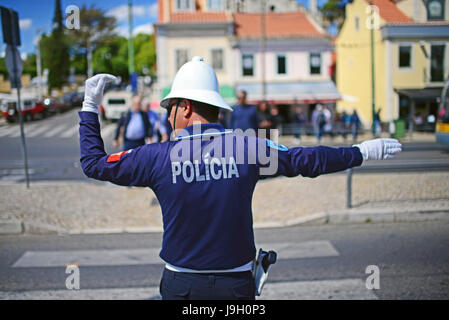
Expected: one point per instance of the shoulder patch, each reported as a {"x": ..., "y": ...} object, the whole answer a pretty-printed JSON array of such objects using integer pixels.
[
  {"x": 276, "y": 146},
  {"x": 117, "y": 156}
]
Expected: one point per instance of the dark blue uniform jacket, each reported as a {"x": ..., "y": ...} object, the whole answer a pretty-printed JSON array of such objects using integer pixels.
[{"x": 204, "y": 181}]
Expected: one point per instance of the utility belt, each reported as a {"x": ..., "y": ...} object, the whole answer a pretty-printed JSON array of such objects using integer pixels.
[{"x": 259, "y": 268}]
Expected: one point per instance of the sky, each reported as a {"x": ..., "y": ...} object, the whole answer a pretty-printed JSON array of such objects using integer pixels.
[{"x": 35, "y": 15}]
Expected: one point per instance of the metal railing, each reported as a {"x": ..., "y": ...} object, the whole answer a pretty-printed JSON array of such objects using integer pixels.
[{"x": 429, "y": 166}]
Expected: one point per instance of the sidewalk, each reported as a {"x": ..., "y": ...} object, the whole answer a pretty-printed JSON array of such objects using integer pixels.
[
  {"x": 82, "y": 207},
  {"x": 417, "y": 137}
]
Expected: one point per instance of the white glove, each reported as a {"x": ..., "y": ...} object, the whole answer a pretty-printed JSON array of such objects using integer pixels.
[
  {"x": 93, "y": 91},
  {"x": 379, "y": 149}
]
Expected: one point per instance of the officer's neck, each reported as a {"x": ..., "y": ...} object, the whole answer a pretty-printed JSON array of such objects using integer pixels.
[{"x": 197, "y": 119}]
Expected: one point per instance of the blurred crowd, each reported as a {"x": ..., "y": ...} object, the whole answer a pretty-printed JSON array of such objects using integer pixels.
[
  {"x": 141, "y": 125},
  {"x": 322, "y": 120}
]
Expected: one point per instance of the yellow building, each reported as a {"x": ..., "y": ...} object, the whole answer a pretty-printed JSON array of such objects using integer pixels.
[{"x": 410, "y": 58}]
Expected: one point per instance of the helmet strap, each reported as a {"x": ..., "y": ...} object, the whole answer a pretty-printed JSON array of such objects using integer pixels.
[{"x": 174, "y": 119}]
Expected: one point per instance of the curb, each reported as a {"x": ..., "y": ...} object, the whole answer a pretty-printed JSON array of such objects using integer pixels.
[
  {"x": 14, "y": 227},
  {"x": 350, "y": 216}
]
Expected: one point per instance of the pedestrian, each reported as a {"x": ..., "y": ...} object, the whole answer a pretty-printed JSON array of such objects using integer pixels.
[
  {"x": 205, "y": 196},
  {"x": 275, "y": 118},
  {"x": 159, "y": 129},
  {"x": 377, "y": 124},
  {"x": 264, "y": 116},
  {"x": 298, "y": 120},
  {"x": 223, "y": 118},
  {"x": 318, "y": 121},
  {"x": 355, "y": 125},
  {"x": 328, "y": 126},
  {"x": 133, "y": 126},
  {"x": 244, "y": 116},
  {"x": 344, "y": 124}
]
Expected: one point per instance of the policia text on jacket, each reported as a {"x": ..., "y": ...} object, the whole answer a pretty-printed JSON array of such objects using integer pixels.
[{"x": 208, "y": 241}]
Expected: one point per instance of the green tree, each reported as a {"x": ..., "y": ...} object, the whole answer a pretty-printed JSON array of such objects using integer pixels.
[
  {"x": 112, "y": 57},
  {"x": 333, "y": 12},
  {"x": 145, "y": 53},
  {"x": 96, "y": 29},
  {"x": 3, "y": 70},
  {"x": 29, "y": 65},
  {"x": 57, "y": 52}
]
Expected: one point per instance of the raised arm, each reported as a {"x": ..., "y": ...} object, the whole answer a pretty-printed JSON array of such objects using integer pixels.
[{"x": 128, "y": 168}]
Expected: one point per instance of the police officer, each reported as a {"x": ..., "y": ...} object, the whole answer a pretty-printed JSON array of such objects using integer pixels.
[{"x": 204, "y": 180}]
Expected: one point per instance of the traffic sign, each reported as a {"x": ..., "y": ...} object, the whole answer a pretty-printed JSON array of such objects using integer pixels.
[
  {"x": 14, "y": 65},
  {"x": 10, "y": 26}
]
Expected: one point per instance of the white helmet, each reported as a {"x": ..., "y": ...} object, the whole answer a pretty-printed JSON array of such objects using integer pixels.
[{"x": 196, "y": 80}]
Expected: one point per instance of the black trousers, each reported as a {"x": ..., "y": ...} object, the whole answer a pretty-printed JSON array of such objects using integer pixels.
[{"x": 207, "y": 286}]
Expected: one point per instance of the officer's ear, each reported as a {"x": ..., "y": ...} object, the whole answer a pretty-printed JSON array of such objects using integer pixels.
[{"x": 187, "y": 108}]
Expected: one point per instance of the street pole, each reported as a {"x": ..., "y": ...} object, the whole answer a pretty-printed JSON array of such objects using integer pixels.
[
  {"x": 39, "y": 66},
  {"x": 373, "y": 96},
  {"x": 90, "y": 71},
  {"x": 13, "y": 62},
  {"x": 262, "y": 50},
  {"x": 19, "y": 109},
  {"x": 131, "y": 68}
]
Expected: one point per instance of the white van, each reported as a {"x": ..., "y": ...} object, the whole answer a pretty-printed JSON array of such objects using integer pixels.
[{"x": 115, "y": 103}]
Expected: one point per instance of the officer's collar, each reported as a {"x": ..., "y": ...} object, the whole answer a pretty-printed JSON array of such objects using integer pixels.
[{"x": 201, "y": 130}]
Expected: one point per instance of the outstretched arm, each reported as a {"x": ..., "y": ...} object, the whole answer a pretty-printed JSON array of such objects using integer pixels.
[{"x": 315, "y": 161}]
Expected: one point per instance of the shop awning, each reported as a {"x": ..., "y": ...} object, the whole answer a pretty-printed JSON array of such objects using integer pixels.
[
  {"x": 227, "y": 92},
  {"x": 421, "y": 95},
  {"x": 293, "y": 92}
]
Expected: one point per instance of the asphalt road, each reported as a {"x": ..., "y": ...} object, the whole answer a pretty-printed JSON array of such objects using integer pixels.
[
  {"x": 53, "y": 150},
  {"x": 314, "y": 262}
]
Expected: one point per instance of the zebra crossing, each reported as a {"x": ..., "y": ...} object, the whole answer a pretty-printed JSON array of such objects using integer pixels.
[
  {"x": 49, "y": 130},
  {"x": 352, "y": 288}
]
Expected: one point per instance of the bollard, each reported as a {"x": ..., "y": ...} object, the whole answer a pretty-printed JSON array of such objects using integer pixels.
[{"x": 349, "y": 189}]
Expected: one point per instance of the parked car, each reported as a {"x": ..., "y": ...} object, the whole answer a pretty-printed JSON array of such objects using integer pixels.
[
  {"x": 56, "y": 105},
  {"x": 31, "y": 109},
  {"x": 75, "y": 99},
  {"x": 114, "y": 104}
]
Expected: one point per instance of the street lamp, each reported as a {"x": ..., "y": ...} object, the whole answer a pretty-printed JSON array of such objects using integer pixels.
[
  {"x": 373, "y": 86},
  {"x": 263, "y": 49},
  {"x": 39, "y": 63}
]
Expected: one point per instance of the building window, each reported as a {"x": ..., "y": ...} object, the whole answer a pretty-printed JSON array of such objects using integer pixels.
[
  {"x": 405, "y": 56},
  {"x": 214, "y": 5},
  {"x": 182, "y": 56},
  {"x": 217, "y": 59},
  {"x": 281, "y": 64},
  {"x": 357, "y": 23},
  {"x": 183, "y": 5},
  {"x": 248, "y": 65},
  {"x": 315, "y": 63},
  {"x": 437, "y": 63},
  {"x": 435, "y": 9}
]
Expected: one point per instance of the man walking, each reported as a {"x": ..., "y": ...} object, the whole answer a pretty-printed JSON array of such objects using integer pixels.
[
  {"x": 244, "y": 116},
  {"x": 134, "y": 127},
  {"x": 204, "y": 180},
  {"x": 159, "y": 129}
]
